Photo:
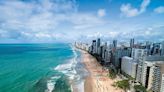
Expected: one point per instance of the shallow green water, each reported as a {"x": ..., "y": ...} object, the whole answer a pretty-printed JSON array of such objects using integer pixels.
[{"x": 29, "y": 67}]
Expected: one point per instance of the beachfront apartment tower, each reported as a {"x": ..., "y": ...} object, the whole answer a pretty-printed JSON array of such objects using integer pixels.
[
  {"x": 129, "y": 66},
  {"x": 98, "y": 45},
  {"x": 139, "y": 72},
  {"x": 118, "y": 54},
  {"x": 152, "y": 76},
  {"x": 94, "y": 47}
]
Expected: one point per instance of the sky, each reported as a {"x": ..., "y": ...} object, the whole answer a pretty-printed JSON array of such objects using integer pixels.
[{"x": 44, "y": 21}]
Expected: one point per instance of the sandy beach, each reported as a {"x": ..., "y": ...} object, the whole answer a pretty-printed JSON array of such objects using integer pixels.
[{"x": 98, "y": 80}]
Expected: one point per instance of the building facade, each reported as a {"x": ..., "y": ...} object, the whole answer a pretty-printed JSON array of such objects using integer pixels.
[
  {"x": 94, "y": 49},
  {"x": 138, "y": 53},
  {"x": 98, "y": 45},
  {"x": 162, "y": 48},
  {"x": 152, "y": 74},
  {"x": 131, "y": 43},
  {"x": 118, "y": 54},
  {"x": 114, "y": 44},
  {"x": 129, "y": 66}
]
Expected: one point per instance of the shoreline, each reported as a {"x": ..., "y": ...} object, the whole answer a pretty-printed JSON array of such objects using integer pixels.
[
  {"x": 77, "y": 84},
  {"x": 97, "y": 80}
]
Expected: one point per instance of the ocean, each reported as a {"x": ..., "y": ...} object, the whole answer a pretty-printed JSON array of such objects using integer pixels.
[{"x": 41, "y": 68}]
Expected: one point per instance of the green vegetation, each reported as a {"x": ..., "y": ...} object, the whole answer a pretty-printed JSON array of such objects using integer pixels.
[
  {"x": 112, "y": 74},
  {"x": 126, "y": 75},
  {"x": 123, "y": 84},
  {"x": 140, "y": 88}
]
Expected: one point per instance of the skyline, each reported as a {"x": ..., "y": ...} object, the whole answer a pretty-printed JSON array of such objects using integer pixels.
[{"x": 33, "y": 21}]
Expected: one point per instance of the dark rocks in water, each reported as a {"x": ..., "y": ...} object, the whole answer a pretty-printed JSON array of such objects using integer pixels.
[
  {"x": 40, "y": 86},
  {"x": 62, "y": 85}
]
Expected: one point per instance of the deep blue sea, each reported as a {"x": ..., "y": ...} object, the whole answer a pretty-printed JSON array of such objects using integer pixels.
[{"x": 40, "y": 68}]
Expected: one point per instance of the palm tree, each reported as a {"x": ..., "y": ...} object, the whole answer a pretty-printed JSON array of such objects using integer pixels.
[
  {"x": 140, "y": 88},
  {"x": 123, "y": 84}
]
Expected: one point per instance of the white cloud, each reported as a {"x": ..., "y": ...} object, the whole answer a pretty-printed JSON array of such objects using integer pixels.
[
  {"x": 159, "y": 9},
  {"x": 101, "y": 12},
  {"x": 129, "y": 11},
  {"x": 152, "y": 33},
  {"x": 33, "y": 16},
  {"x": 94, "y": 35},
  {"x": 42, "y": 20},
  {"x": 84, "y": 21},
  {"x": 45, "y": 21}
]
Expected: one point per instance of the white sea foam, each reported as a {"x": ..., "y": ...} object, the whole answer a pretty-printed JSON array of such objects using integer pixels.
[
  {"x": 51, "y": 83},
  {"x": 55, "y": 77},
  {"x": 50, "y": 86},
  {"x": 69, "y": 68}
]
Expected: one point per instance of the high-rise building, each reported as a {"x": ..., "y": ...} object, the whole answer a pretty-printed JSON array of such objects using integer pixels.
[
  {"x": 98, "y": 42},
  {"x": 94, "y": 47},
  {"x": 129, "y": 66},
  {"x": 148, "y": 47},
  {"x": 162, "y": 49},
  {"x": 138, "y": 53},
  {"x": 107, "y": 56},
  {"x": 118, "y": 54},
  {"x": 104, "y": 48},
  {"x": 139, "y": 72},
  {"x": 155, "y": 50},
  {"x": 115, "y": 44},
  {"x": 99, "y": 51},
  {"x": 98, "y": 46},
  {"x": 152, "y": 74},
  {"x": 132, "y": 43}
]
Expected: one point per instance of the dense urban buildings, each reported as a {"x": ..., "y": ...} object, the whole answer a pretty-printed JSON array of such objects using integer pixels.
[
  {"x": 153, "y": 73},
  {"x": 138, "y": 53},
  {"x": 144, "y": 62}
]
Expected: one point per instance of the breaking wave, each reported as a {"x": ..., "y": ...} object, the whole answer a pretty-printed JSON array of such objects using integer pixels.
[{"x": 74, "y": 70}]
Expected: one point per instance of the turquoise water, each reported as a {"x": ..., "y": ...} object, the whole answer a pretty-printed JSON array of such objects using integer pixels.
[{"x": 37, "y": 67}]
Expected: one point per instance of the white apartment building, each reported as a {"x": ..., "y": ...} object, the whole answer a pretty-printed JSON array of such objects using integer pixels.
[
  {"x": 138, "y": 53},
  {"x": 129, "y": 66},
  {"x": 139, "y": 72},
  {"x": 152, "y": 74}
]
